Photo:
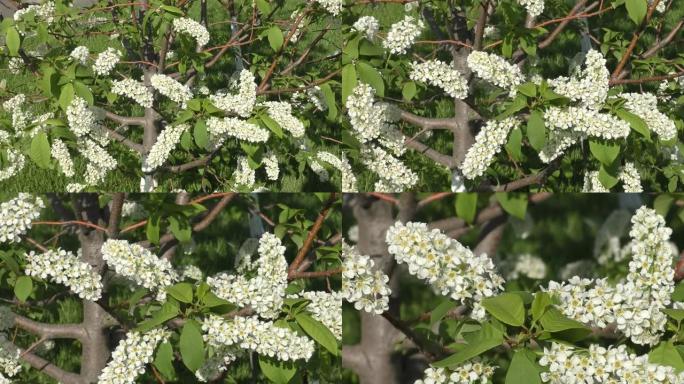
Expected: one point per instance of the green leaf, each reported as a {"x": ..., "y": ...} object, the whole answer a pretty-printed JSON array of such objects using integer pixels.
[
  {"x": 513, "y": 203},
  {"x": 604, "y": 151},
  {"x": 181, "y": 292},
  {"x": 367, "y": 48},
  {"x": 554, "y": 321},
  {"x": 514, "y": 106},
  {"x": 318, "y": 332},
  {"x": 351, "y": 50},
  {"x": 528, "y": 89},
  {"x": 678, "y": 294},
  {"x": 636, "y": 9},
  {"x": 514, "y": 144},
  {"x": 40, "y": 150},
  {"x": 66, "y": 95},
  {"x": 273, "y": 126},
  {"x": 201, "y": 134},
  {"x": 167, "y": 312},
  {"x": 408, "y": 91},
  {"x": 277, "y": 371},
  {"x": 191, "y": 345},
  {"x": 83, "y": 91},
  {"x": 507, "y": 308},
  {"x": 607, "y": 177},
  {"x": 13, "y": 41},
  {"x": 348, "y": 81},
  {"x": 542, "y": 300},
  {"x": 180, "y": 227},
  {"x": 523, "y": 368},
  {"x": 329, "y": 97},
  {"x": 263, "y": 6},
  {"x": 441, "y": 310},
  {"x": 666, "y": 354},
  {"x": 466, "y": 206},
  {"x": 372, "y": 77},
  {"x": 637, "y": 123},
  {"x": 487, "y": 338},
  {"x": 275, "y": 38},
  {"x": 662, "y": 204},
  {"x": 536, "y": 130},
  {"x": 10, "y": 262},
  {"x": 677, "y": 314},
  {"x": 152, "y": 229},
  {"x": 163, "y": 361},
  {"x": 23, "y": 287}
]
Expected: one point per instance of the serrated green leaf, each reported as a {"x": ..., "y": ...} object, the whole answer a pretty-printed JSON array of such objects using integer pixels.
[
  {"x": 507, "y": 308},
  {"x": 191, "y": 345},
  {"x": 371, "y": 76},
  {"x": 275, "y": 38},
  {"x": 466, "y": 206},
  {"x": 40, "y": 151},
  {"x": 319, "y": 332},
  {"x": 536, "y": 130},
  {"x": 23, "y": 287}
]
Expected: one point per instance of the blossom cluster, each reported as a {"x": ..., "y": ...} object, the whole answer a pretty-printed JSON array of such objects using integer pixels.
[
  {"x": 348, "y": 178},
  {"x": 586, "y": 121},
  {"x": 140, "y": 266},
  {"x": 362, "y": 284},
  {"x": 244, "y": 176},
  {"x": 192, "y": 28},
  {"x": 471, "y": 372},
  {"x": 628, "y": 174},
  {"x": 82, "y": 120},
  {"x": 135, "y": 90},
  {"x": 281, "y": 112},
  {"x": 262, "y": 337},
  {"x": 161, "y": 149},
  {"x": 556, "y": 144},
  {"x": 270, "y": 162},
  {"x": 191, "y": 272},
  {"x": 131, "y": 356},
  {"x": 597, "y": 364},
  {"x": 365, "y": 116},
  {"x": 16, "y": 162},
  {"x": 402, "y": 34},
  {"x": 106, "y": 61},
  {"x": 172, "y": 89},
  {"x": 367, "y": 25},
  {"x": 241, "y": 103},
  {"x": 496, "y": 70},
  {"x": 45, "y": 12},
  {"x": 487, "y": 144},
  {"x": 534, "y": 7},
  {"x": 442, "y": 75},
  {"x": 9, "y": 359},
  {"x": 99, "y": 161},
  {"x": 394, "y": 175},
  {"x": 588, "y": 85},
  {"x": 17, "y": 215},
  {"x": 449, "y": 267},
  {"x": 528, "y": 265},
  {"x": 634, "y": 304},
  {"x": 325, "y": 307},
  {"x": 332, "y": 6},
  {"x": 221, "y": 128},
  {"x": 63, "y": 267},
  {"x": 81, "y": 54},
  {"x": 265, "y": 291},
  {"x": 645, "y": 105},
  {"x": 60, "y": 152}
]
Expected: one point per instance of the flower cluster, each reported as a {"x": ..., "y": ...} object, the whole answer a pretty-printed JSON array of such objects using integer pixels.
[
  {"x": 241, "y": 103},
  {"x": 394, "y": 175},
  {"x": 362, "y": 284},
  {"x": 244, "y": 176},
  {"x": 17, "y": 215},
  {"x": 442, "y": 75},
  {"x": 281, "y": 112},
  {"x": 20, "y": 117},
  {"x": 81, "y": 119},
  {"x": 133, "y": 210},
  {"x": 172, "y": 89},
  {"x": 592, "y": 183},
  {"x": 64, "y": 267},
  {"x": 534, "y": 7},
  {"x": 402, "y": 34},
  {"x": 471, "y": 372},
  {"x": 216, "y": 364},
  {"x": 161, "y": 149},
  {"x": 135, "y": 90},
  {"x": 556, "y": 144},
  {"x": 9, "y": 359},
  {"x": 645, "y": 105},
  {"x": 332, "y": 6},
  {"x": 81, "y": 54},
  {"x": 131, "y": 356},
  {"x": 449, "y": 267},
  {"x": 16, "y": 161},
  {"x": 270, "y": 162},
  {"x": 221, "y": 128},
  {"x": 530, "y": 266},
  {"x": 139, "y": 265},
  {"x": 586, "y": 121},
  {"x": 635, "y": 304},
  {"x": 44, "y": 12},
  {"x": 60, "y": 152},
  {"x": 106, "y": 61},
  {"x": 487, "y": 144},
  {"x": 262, "y": 337},
  {"x": 600, "y": 365},
  {"x": 326, "y": 308},
  {"x": 99, "y": 161},
  {"x": 588, "y": 85},
  {"x": 628, "y": 174},
  {"x": 265, "y": 291},
  {"x": 191, "y": 272},
  {"x": 496, "y": 70},
  {"x": 348, "y": 178},
  {"x": 192, "y": 28},
  {"x": 365, "y": 116},
  {"x": 319, "y": 170},
  {"x": 368, "y": 26}
]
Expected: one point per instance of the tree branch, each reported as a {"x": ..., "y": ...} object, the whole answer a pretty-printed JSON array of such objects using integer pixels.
[
  {"x": 115, "y": 214},
  {"x": 50, "y": 331},
  {"x": 124, "y": 120}
]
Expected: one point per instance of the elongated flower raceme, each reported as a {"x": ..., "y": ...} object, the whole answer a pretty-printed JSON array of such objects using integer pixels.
[
  {"x": 106, "y": 61},
  {"x": 82, "y": 120},
  {"x": 196, "y": 30},
  {"x": 362, "y": 284},
  {"x": 450, "y": 268},
  {"x": 64, "y": 267},
  {"x": 496, "y": 70},
  {"x": 487, "y": 144},
  {"x": 556, "y": 143},
  {"x": 265, "y": 291},
  {"x": 9, "y": 359},
  {"x": 243, "y": 176},
  {"x": 645, "y": 105},
  {"x": 281, "y": 112},
  {"x": 166, "y": 142},
  {"x": 368, "y": 26},
  {"x": 222, "y": 128},
  {"x": 589, "y": 85},
  {"x": 16, "y": 216},
  {"x": 441, "y": 75},
  {"x": 16, "y": 162},
  {"x": 635, "y": 304},
  {"x": 172, "y": 89},
  {"x": 135, "y": 90},
  {"x": 131, "y": 356},
  {"x": 366, "y": 118},
  {"x": 60, "y": 152},
  {"x": 588, "y": 122},
  {"x": 534, "y": 7},
  {"x": 270, "y": 162},
  {"x": 140, "y": 266},
  {"x": 242, "y": 103},
  {"x": 402, "y": 35},
  {"x": 394, "y": 175},
  {"x": 100, "y": 163},
  {"x": 472, "y": 372}
]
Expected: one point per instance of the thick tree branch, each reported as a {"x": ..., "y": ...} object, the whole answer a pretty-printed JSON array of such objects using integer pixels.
[
  {"x": 115, "y": 214},
  {"x": 50, "y": 331},
  {"x": 124, "y": 120},
  {"x": 52, "y": 370}
]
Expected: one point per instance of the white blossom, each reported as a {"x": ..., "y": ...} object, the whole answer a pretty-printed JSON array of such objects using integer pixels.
[
  {"x": 191, "y": 272},
  {"x": 131, "y": 356},
  {"x": 645, "y": 105},
  {"x": 348, "y": 178},
  {"x": 80, "y": 54},
  {"x": 332, "y": 6},
  {"x": 17, "y": 215},
  {"x": 325, "y": 307},
  {"x": 15, "y": 65},
  {"x": 221, "y": 128},
  {"x": 166, "y": 142},
  {"x": 592, "y": 184},
  {"x": 241, "y": 103},
  {"x": 135, "y": 90},
  {"x": 471, "y": 372},
  {"x": 244, "y": 175},
  {"x": 534, "y": 7},
  {"x": 362, "y": 284},
  {"x": 556, "y": 144},
  {"x": 528, "y": 265},
  {"x": 99, "y": 161},
  {"x": 586, "y": 121},
  {"x": 496, "y": 70},
  {"x": 140, "y": 266},
  {"x": 172, "y": 89},
  {"x": 365, "y": 116},
  {"x": 442, "y": 75},
  {"x": 64, "y": 267},
  {"x": 16, "y": 162},
  {"x": 319, "y": 170},
  {"x": 281, "y": 112},
  {"x": 196, "y": 30},
  {"x": 270, "y": 162},
  {"x": 487, "y": 144},
  {"x": 9, "y": 358},
  {"x": 60, "y": 152},
  {"x": 402, "y": 35},
  {"x": 82, "y": 120},
  {"x": 588, "y": 85},
  {"x": 368, "y": 26},
  {"x": 394, "y": 175},
  {"x": 106, "y": 61},
  {"x": 44, "y": 12},
  {"x": 631, "y": 180}
]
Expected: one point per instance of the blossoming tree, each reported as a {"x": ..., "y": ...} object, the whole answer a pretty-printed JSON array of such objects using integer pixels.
[
  {"x": 193, "y": 95},
  {"x": 530, "y": 302},
  {"x": 509, "y": 94},
  {"x": 170, "y": 288}
]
